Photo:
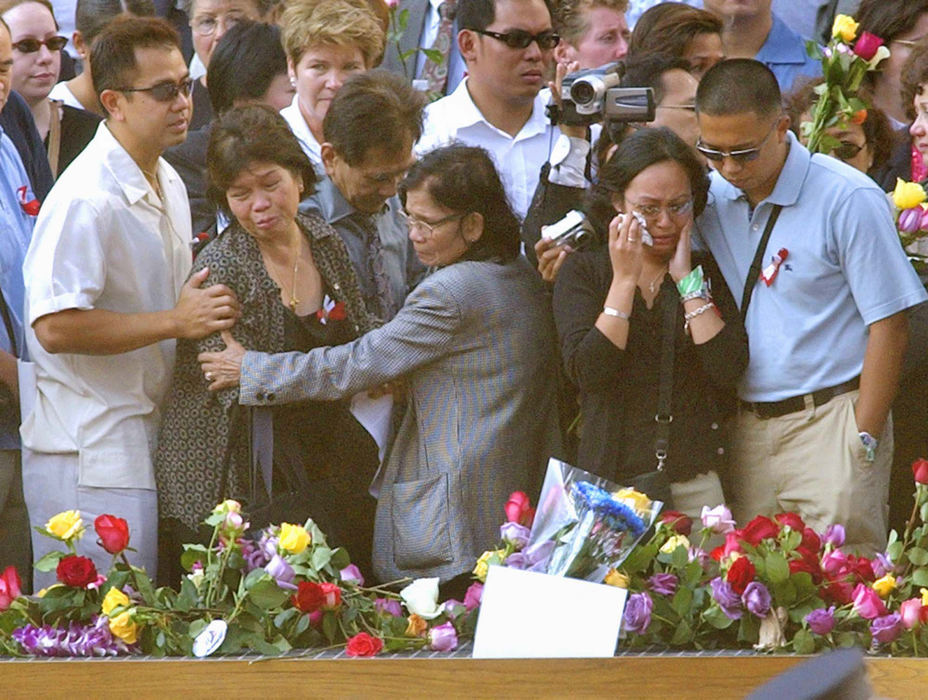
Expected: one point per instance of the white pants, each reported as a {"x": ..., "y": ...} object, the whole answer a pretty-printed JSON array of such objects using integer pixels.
[{"x": 50, "y": 486}]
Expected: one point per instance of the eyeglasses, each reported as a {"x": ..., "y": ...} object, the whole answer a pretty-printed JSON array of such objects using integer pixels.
[
  {"x": 207, "y": 26},
  {"x": 426, "y": 227},
  {"x": 652, "y": 211},
  {"x": 846, "y": 150},
  {"x": 164, "y": 92},
  {"x": 688, "y": 108},
  {"x": 521, "y": 39},
  {"x": 743, "y": 155},
  {"x": 55, "y": 43}
]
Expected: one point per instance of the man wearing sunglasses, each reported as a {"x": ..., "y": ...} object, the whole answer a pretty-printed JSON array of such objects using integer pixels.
[
  {"x": 107, "y": 295},
  {"x": 809, "y": 245},
  {"x": 508, "y": 46}
]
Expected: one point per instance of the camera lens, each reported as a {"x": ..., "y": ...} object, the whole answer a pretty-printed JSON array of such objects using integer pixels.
[{"x": 582, "y": 92}]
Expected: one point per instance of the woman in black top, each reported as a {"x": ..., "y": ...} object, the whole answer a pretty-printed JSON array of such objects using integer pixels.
[{"x": 611, "y": 305}]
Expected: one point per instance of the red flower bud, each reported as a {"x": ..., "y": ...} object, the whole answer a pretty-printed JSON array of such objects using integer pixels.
[
  {"x": 113, "y": 533},
  {"x": 760, "y": 528},
  {"x": 920, "y": 471},
  {"x": 679, "y": 522},
  {"x": 740, "y": 574}
]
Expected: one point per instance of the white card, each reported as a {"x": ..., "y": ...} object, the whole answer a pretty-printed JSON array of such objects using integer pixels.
[{"x": 524, "y": 614}]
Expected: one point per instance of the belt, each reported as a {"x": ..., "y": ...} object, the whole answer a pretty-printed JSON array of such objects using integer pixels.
[{"x": 775, "y": 409}]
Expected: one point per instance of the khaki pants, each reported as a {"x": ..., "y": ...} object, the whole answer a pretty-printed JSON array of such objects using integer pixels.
[
  {"x": 812, "y": 463},
  {"x": 690, "y": 496}
]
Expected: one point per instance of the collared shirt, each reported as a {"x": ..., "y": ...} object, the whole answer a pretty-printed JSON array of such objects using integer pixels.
[
  {"x": 844, "y": 269},
  {"x": 518, "y": 158},
  {"x": 402, "y": 268},
  {"x": 62, "y": 92},
  {"x": 457, "y": 69},
  {"x": 104, "y": 240},
  {"x": 300, "y": 129},
  {"x": 15, "y": 233},
  {"x": 784, "y": 52}
]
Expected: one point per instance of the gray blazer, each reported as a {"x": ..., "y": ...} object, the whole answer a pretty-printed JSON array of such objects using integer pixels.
[{"x": 475, "y": 345}]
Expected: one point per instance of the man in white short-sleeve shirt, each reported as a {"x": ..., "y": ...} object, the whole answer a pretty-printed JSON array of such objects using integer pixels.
[
  {"x": 106, "y": 297},
  {"x": 509, "y": 47}
]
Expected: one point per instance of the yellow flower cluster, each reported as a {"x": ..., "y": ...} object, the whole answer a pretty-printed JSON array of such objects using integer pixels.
[
  {"x": 66, "y": 526},
  {"x": 907, "y": 194},
  {"x": 616, "y": 578},
  {"x": 493, "y": 556},
  {"x": 884, "y": 586},
  {"x": 634, "y": 499},
  {"x": 844, "y": 28},
  {"x": 673, "y": 542},
  {"x": 293, "y": 538},
  {"x": 122, "y": 625}
]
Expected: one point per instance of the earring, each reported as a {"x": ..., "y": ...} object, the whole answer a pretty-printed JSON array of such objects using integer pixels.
[{"x": 292, "y": 82}]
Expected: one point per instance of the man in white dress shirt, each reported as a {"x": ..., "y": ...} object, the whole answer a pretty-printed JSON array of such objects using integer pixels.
[
  {"x": 106, "y": 296},
  {"x": 509, "y": 47}
]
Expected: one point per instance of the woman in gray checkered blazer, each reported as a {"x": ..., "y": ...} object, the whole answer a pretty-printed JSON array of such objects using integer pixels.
[{"x": 474, "y": 345}]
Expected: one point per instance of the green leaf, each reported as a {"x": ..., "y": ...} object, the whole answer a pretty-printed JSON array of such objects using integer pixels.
[
  {"x": 266, "y": 594},
  {"x": 748, "y": 629},
  {"x": 803, "y": 642},
  {"x": 340, "y": 559},
  {"x": 894, "y": 550},
  {"x": 50, "y": 561},
  {"x": 682, "y": 635},
  {"x": 321, "y": 557},
  {"x": 776, "y": 567},
  {"x": 196, "y": 627},
  {"x": 792, "y": 540},
  {"x": 283, "y": 617},
  {"x": 846, "y": 639},
  {"x": 718, "y": 619},
  {"x": 329, "y": 626},
  {"x": 302, "y": 625},
  {"x": 434, "y": 55},
  {"x": 923, "y": 511},
  {"x": 682, "y": 601},
  {"x": 193, "y": 553},
  {"x": 680, "y": 557},
  {"x": 920, "y": 577},
  {"x": 918, "y": 556}
]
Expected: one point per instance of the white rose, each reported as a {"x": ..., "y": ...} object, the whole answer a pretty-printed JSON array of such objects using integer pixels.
[{"x": 421, "y": 598}]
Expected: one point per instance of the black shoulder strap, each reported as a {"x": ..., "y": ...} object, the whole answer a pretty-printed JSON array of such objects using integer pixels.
[
  {"x": 670, "y": 304},
  {"x": 754, "y": 271},
  {"x": 8, "y": 322}
]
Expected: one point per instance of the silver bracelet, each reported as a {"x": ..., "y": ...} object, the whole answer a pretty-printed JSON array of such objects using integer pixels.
[
  {"x": 609, "y": 311},
  {"x": 698, "y": 294},
  {"x": 690, "y": 315}
]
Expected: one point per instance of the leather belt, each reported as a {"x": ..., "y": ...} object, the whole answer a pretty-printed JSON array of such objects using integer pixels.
[{"x": 775, "y": 409}]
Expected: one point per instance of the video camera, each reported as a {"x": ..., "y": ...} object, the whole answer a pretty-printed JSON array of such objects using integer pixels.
[{"x": 593, "y": 95}]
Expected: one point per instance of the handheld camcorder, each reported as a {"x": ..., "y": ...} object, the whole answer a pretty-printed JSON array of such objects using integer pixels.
[{"x": 593, "y": 95}]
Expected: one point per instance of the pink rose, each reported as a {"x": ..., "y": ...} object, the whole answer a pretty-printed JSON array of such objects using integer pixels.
[
  {"x": 9, "y": 587},
  {"x": 352, "y": 574},
  {"x": 909, "y": 220},
  {"x": 911, "y": 612},
  {"x": 717, "y": 519},
  {"x": 443, "y": 637},
  {"x": 867, "y": 45},
  {"x": 867, "y": 602},
  {"x": 519, "y": 509},
  {"x": 473, "y": 595},
  {"x": 332, "y": 596},
  {"x": 834, "y": 563}
]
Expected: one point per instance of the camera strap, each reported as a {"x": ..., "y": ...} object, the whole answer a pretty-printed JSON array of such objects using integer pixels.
[
  {"x": 663, "y": 417},
  {"x": 754, "y": 270}
]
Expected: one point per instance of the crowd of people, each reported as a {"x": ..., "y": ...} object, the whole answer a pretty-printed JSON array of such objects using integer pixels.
[{"x": 233, "y": 233}]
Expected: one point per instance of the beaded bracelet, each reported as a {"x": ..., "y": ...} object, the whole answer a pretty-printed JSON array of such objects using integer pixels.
[
  {"x": 692, "y": 282},
  {"x": 690, "y": 315},
  {"x": 701, "y": 293}
]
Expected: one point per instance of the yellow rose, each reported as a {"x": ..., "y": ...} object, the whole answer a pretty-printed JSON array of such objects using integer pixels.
[
  {"x": 670, "y": 546},
  {"x": 924, "y": 592},
  {"x": 66, "y": 526},
  {"x": 616, "y": 578},
  {"x": 907, "y": 194},
  {"x": 123, "y": 627},
  {"x": 114, "y": 598},
  {"x": 228, "y": 506},
  {"x": 293, "y": 538},
  {"x": 844, "y": 28},
  {"x": 416, "y": 626},
  {"x": 634, "y": 499},
  {"x": 483, "y": 564},
  {"x": 884, "y": 586}
]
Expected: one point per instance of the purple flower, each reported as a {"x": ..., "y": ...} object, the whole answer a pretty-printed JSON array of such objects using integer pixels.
[
  {"x": 881, "y": 565},
  {"x": 886, "y": 628},
  {"x": 443, "y": 637},
  {"x": 725, "y": 596},
  {"x": 515, "y": 534},
  {"x": 452, "y": 608},
  {"x": 756, "y": 599},
  {"x": 94, "y": 639},
  {"x": 473, "y": 595},
  {"x": 663, "y": 584},
  {"x": 637, "y": 616},
  {"x": 700, "y": 555},
  {"x": 388, "y": 606},
  {"x": 281, "y": 571},
  {"x": 352, "y": 574},
  {"x": 821, "y": 621},
  {"x": 533, "y": 558},
  {"x": 834, "y": 535}
]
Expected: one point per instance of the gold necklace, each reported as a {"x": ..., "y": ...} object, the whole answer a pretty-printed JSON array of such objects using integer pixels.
[{"x": 296, "y": 265}]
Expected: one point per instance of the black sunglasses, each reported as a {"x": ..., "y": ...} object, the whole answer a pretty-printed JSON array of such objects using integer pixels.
[
  {"x": 743, "y": 155},
  {"x": 846, "y": 150},
  {"x": 55, "y": 43},
  {"x": 164, "y": 92},
  {"x": 521, "y": 39}
]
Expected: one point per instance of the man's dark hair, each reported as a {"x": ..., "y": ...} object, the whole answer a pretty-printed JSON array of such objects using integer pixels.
[
  {"x": 112, "y": 55},
  {"x": 464, "y": 180},
  {"x": 648, "y": 147},
  {"x": 914, "y": 76},
  {"x": 889, "y": 18},
  {"x": 479, "y": 14},
  {"x": 91, "y": 16},
  {"x": 251, "y": 134},
  {"x": 648, "y": 70},
  {"x": 373, "y": 110},
  {"x": 244, "y": 63},
  {"x": 737, "y": 86}
]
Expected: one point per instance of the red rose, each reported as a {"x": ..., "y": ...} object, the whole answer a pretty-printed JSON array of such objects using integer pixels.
[
  {"x": 679, "y": 522},
  {"x": 861, "y": 567},
  {"x": 363, "y": 644},
  {"x": 113, "y": 533},
  {"x": 740, "y": 574},
  {"x": 920, "y": 471},
  {"x": 790, "y": 520},
  {"x": 867, "y": 45},
  {"x": 808, "y": 562},
  {"x": 332, "y": 596},
  {"x": 840, "y": 593},
  {"x": 76, "y": 572},
  {"x": 810, "y": 540},
  {"x": 760, "y": 528},
  {"x": 518, "y": 509},
  {"x": 309, "y": 597},
  {"x": 10, "y": 587}
]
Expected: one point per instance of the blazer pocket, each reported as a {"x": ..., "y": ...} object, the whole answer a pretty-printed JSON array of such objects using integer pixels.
[{"x": 421, "y": 533}]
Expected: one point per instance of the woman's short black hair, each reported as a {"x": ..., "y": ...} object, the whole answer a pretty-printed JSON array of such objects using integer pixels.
[
  {"x": 251, "y": 134},
  {"x": 244, "y": 63},
  {"x": 647, "y": 147},
  {"x": 464, "y": 180}
]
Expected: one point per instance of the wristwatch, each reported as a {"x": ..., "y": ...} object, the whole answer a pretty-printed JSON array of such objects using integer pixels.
[{"x": 870, "y": 443}]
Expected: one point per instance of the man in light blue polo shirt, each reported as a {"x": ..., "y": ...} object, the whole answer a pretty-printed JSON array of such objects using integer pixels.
[{"x": 825, "y": 316}]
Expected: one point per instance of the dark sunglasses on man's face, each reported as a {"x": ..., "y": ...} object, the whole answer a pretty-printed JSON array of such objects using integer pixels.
[
  {"x": 521, "y": 39},
  {"x": 56, "y": 43},
  {"x": 164, "y": 92}
]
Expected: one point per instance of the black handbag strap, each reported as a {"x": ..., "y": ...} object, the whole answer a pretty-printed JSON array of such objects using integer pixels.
[
  {"x": 754, "y": 270},
  {"x": 8, "y": 322},
  {"x": 664, "y": 416}
]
